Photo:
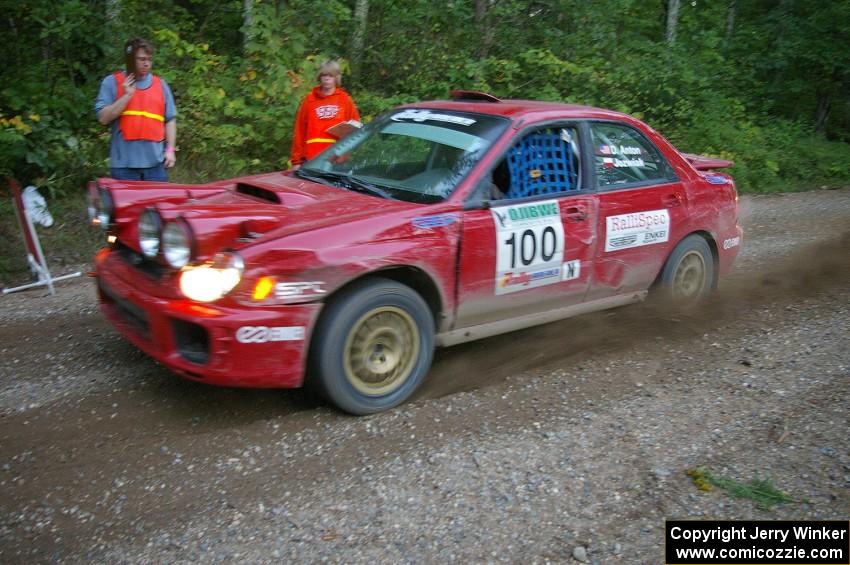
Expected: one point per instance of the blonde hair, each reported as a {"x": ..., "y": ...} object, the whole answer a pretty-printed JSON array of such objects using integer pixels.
[{"x": 330, "y": 68}]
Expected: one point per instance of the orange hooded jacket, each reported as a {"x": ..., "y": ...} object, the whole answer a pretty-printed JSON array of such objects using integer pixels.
[{"x": 316, "y": 114}]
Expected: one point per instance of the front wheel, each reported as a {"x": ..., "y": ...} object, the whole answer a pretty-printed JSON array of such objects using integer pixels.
[
  {"x": 372, "y": 346},
  {"x": 688, "y": 275}
]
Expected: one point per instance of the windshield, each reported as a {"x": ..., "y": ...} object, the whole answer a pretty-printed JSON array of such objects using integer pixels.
[{"x": 409, "y": 154}]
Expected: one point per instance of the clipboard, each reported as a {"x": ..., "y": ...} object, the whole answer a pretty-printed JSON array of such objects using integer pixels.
[{"x": 344, "y": 128}]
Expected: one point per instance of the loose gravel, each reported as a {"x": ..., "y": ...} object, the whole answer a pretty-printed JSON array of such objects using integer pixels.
[{"x": 567, "y": 443}]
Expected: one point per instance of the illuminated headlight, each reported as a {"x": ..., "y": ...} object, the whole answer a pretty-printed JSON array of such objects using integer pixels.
[
  {"x": 176, "y": 244},
  {"x": 150, "y": 228},
  {"x": 207, "y": 283}
]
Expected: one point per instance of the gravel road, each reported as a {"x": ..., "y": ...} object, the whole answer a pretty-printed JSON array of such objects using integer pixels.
[{"x": 562, "y": 443}]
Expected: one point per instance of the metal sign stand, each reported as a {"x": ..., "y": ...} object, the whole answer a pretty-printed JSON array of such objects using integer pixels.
[{"x": 35, "y": 256}]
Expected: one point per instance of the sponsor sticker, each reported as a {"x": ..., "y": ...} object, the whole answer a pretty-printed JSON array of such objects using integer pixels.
[
  {"x": 715, "y": 179},
  {"x": 424, "y": 115},
  {"x": 731, "y": 242},
  {"x": 571, "y": 270},
  {"x": 625, "y": 231},
  {"x": 299, "y": 289},
  {"x": 529, "y": 245},
  {"x": 264, "y": 334},
  {"x": 431, "y": 222}
]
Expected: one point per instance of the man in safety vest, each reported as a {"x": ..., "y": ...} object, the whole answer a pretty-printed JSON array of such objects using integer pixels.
[
  {"x": 140, "y": 107},
  {"x": 325, "y": 106}
]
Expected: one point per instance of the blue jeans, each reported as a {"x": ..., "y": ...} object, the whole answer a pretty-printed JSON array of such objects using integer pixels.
[{"x": 157, "y": 173}]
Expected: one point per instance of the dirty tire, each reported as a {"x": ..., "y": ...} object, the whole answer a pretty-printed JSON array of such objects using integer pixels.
[
  {"x": 688, "y": 275},
  {"x": 372, "y": 347}
]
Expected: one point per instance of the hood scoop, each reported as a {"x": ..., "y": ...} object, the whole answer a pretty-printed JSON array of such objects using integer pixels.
[{"x": 258, "y": 192}]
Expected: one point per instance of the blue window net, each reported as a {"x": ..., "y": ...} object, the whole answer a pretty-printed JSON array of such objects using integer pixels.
[{"x": 542, "y": 163}]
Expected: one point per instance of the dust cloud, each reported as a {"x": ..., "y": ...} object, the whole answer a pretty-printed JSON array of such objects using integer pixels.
[{"x": 487, "y": 362}]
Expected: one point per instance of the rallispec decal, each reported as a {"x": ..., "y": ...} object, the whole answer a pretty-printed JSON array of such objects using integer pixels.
[
  {"x": 529, "y": 245},
  {"x": 431, "y": 222},
  {"x": 423, "y": 115},
  {"x": 634, "y": 230},
  {"x": 299, "y": 289},
  {"x": 571, "y": 270},
  {"x": 731, "y": 242},
  {"x": 263, "y": 334}
]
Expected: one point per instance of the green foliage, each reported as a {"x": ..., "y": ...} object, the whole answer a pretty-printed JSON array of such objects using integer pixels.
[
  {"x": 759, "y": 95},
  {"x": 760, "y": 490}
]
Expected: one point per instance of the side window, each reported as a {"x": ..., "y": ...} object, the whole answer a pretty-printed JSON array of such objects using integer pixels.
[
  {"x": 546, "y": 161},
  {"x": 622, "y": 155}
]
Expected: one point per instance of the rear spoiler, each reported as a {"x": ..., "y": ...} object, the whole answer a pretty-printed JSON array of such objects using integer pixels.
[{"x": 703, "y": 163}]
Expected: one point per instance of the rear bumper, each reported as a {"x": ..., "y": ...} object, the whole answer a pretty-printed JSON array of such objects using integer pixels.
[{"x": 227, "y": 346}]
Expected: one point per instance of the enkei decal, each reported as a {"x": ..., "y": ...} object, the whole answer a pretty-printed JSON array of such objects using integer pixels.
[
  {"x": 263, "y": 334},
  {"x": 299, "y": 289},
  {"x": 423, "y": 115},
  {"x": 634, "y": 230},
  {"x": 431, "y": 222},
  {"x": 529, "y": 245},
  {"x": 571, "y": 270},
  {"x": 731, "y": 242}
]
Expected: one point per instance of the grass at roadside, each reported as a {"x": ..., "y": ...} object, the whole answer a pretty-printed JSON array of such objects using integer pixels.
[{"x": 760, "y": 490}]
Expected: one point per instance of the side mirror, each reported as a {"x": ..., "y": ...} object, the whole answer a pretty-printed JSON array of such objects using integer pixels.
[{"x": 479, "y": 198}]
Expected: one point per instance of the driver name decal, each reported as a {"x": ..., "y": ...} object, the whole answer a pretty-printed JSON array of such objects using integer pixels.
[
  {"x": 529, "y": 246},
  {"x": 634, "y": 230}
]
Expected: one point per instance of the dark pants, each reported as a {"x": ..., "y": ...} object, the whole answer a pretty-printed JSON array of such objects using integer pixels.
[{"x": 157, "y": 173}]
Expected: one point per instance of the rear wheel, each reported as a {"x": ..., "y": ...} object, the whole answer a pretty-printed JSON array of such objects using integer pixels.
[
  {"x": 688, "y": 274},
  {"x": 372, "y": 346}
]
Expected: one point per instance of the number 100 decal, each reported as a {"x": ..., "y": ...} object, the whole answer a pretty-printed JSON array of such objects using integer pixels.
[{"x": 529, "y": 245}]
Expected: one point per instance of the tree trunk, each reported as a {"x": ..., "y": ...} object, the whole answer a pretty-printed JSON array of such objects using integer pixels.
[
  {"x": 672, "y": 20},
  {"x": 824, "y": 104},
  {"x": 730, "y": 21},
  {"x": 358, "y": 37},
  {"x": 247, "y": 22},
  {"x": 485, "y": 30}
]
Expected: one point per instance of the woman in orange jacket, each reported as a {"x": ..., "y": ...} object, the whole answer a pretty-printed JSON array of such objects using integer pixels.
[{"x": 324, "y": 107}]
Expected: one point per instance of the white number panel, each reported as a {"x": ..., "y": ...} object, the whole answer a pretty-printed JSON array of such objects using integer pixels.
[{"x": 529, "y": 245}]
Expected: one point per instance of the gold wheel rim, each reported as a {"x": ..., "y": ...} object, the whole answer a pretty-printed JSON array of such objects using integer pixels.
[
  {"x": 689, "y": 282},
  {"x": 381, "y": 351}
]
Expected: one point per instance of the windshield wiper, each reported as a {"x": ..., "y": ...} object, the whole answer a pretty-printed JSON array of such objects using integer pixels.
[
  {"x": 319, "y": 178},
  {"x": 362, "y": 185},
  {"x": 345, "y": 181}
]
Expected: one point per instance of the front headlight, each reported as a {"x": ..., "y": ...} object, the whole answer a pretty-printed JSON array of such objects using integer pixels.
[
  {"x": 150, "y": 229},
  {"x": 105, "y": 208},
  {"x": 206, "y": 283},
  {"x": 177, "y": 244}
]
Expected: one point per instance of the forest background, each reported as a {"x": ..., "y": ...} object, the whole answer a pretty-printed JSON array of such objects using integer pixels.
[{"x": 765, "y": 83}]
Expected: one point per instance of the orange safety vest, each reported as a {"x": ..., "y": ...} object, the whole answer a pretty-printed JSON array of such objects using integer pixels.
[{"x": 144, "y": 116}]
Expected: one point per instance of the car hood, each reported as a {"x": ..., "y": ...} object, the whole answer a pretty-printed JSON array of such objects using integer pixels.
[{"x": 268, "y": 207}]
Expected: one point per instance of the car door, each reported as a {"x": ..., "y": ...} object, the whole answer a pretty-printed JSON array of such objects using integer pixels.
[
  {"x": 529, "y": 248},
  {"x": 642, "y": 209}
]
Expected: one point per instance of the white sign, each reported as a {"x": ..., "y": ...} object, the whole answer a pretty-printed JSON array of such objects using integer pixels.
[
  {"x": 634, "y": 230},
  {"x": 529, "y": 245}
]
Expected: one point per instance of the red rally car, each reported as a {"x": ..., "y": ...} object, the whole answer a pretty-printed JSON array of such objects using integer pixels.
[{"x": 437, "y": 223}]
